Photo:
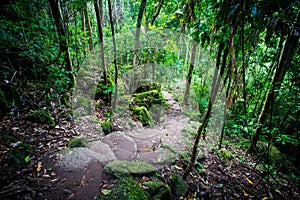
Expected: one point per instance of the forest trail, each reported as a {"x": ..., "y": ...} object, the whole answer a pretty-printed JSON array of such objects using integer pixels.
[
  {"x": 158, "y": 145},
  {"x": 80, "y": 171}
]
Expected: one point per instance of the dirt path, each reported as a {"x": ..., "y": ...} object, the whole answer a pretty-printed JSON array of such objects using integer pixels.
[{"x": 79, "y": 171}]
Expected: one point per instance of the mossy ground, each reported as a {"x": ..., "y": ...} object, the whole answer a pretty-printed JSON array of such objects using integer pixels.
[{"x": 42, "y": 117}]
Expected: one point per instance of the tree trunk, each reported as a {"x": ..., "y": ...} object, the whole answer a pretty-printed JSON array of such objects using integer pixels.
[
  {"x": 63, "y": 38},
  {"x": 213, "y": 94},
  {"x": 115, "y": 55},
  {"x": 138, "y": 31},
  {"x": 157, "y": 12},
  {"x": 101, "y": 40},
  {"x": 285, "y": 60},
  {"x": 88, "y": 26},
  {"x": 189, "y": 75}
]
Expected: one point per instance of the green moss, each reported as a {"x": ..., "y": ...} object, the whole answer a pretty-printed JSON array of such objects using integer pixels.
[
  {"x": 122, "y": 168},
  {"x": 168, "y": 145},
  {"x": 148, "y": 99},
  {"x": 179, "y": 186},
  {"x": 273, "y": 155},
  {"x": 158, "y": 190},
  {"x": 77, "y": 142},
  {"x": 143, "y": 115},
  {"x": 148, "y": 87},
  {"x": 107, "y": 127},
  {"x": 42, "y": 117},
  {"x": 126, "y": 189},
  {"x": 224, "y": 155}
]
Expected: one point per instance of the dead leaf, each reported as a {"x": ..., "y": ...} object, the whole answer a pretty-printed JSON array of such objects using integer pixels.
[
  {"x": 82, "y": 182},
  {"x": 71, "y": 196},
  {"x": 249, "y": 181},
  {"x": 245, "y": 193},
  {"x": 39, "y": 167}
]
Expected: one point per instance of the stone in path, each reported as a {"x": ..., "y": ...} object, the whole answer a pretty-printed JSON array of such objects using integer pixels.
[
  {"x": 143, "y": 144},
  {"x": 123, "y": 146}
]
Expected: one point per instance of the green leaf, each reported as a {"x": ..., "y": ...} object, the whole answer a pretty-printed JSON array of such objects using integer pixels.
[
  {"x": 105, "y": 191},
  {"x": 27, "y": 159}
]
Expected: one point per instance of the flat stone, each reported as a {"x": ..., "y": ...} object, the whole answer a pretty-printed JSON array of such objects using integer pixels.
[
  {"x": 102, "y": 148},
  {"x": 124, "y": 168},
  {"x": 123, "y": 146},
  {"x": 81, "y": 157},
  {"x": 158, "y": 158}
]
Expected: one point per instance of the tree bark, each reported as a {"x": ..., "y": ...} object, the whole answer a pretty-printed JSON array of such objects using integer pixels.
[
  {"x": 157, "y": 12},
  {"x": 101, "y": 40},
  {"x": 115, "y": 55},
  {"x": 213, "y": 94},
  {"x": 88, "y": 27},
  {"x": 189, "y": 75},
  {"x": 138, "y": 31},
  {"x": 54, "y": 5},
  {"x": 285, "y": 60}
]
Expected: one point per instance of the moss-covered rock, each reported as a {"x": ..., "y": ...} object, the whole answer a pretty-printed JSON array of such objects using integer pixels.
[
  {"x": 126, "y": 189},
  {"x": 271, "y": 155},
  {"x": 42, "y": 117},
  {"x": 148, "y": 87},
  {"x": 143, "y": 115},
  {"x": 158, "y": 190},
  {"x": 122, "y": 168},
  {"x": 148, "y": 99},
  {"x": 77, "y": 142},
  {"x": 179, "y": 186},
  {"x": 107, "y": 127}
]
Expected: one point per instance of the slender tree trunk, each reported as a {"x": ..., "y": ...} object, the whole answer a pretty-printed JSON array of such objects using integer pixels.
[
  {"x": 83, "y": 30},
  {"x": 115, "y": 55},
  {"x": 138, "y": 31},
  {"x": 88, "y": 27},
  {"x": 213, "y": 94},
  {"x": 54, "y": 5},
  {"x": 101, "y": 40},
  {"x": 285, "y": 60},
  {"x": 160, "y": 4},
  {"x": 189, "y": 75},
  {"x": 101, "y": 10}
]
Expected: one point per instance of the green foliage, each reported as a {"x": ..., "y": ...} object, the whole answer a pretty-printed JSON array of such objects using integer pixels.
[
  {"x": 19, "y": 154},
  {"x": 107, "y": 127},
  {"x": 179, "y": 186},
  {"x": 270, "y": 153},
  {"x": 77, "y": 142}
]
